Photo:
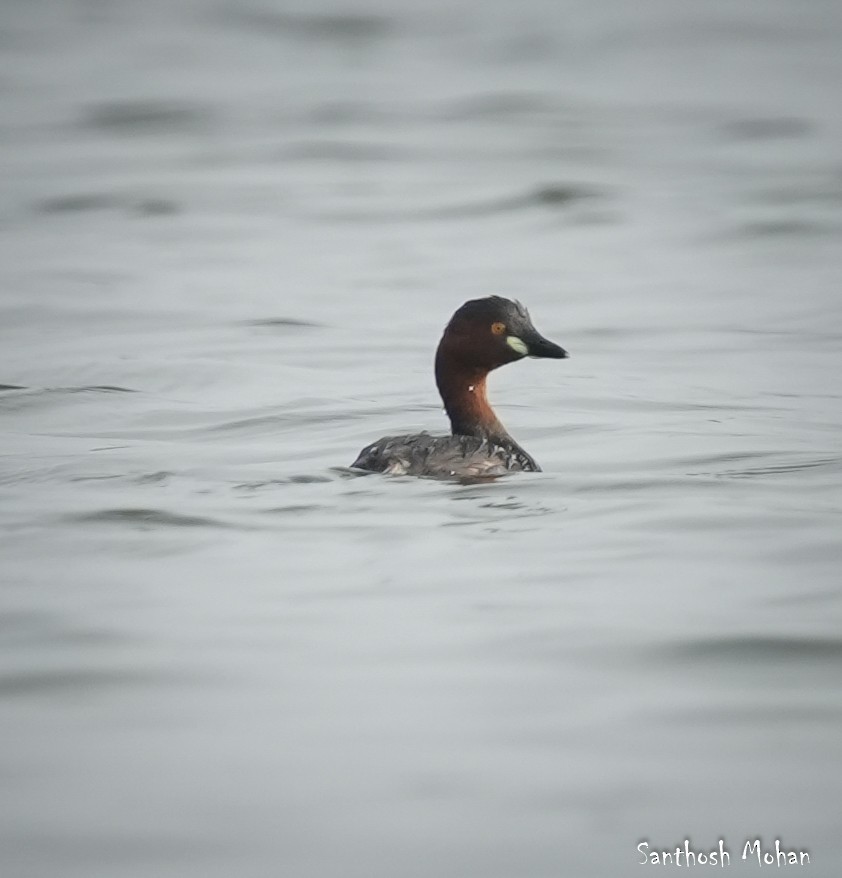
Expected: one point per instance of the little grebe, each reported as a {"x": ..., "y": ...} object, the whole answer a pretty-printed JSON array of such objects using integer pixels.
[{"x": 482, "y": 335}]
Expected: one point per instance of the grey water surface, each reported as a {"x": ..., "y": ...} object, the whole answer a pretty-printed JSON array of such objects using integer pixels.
[{"x": 230, "y": 236}]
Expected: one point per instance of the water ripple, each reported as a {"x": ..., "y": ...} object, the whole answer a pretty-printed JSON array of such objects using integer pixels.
[
  {"x": 328, "y": 27},
  {"x": 76, "y": 680},
  {"x": 147, "y": 518},
  {"x": 759, "y": 649},
  {"x": 281, "y": 323},
  {"x": 18, "y": 399},
  {"x": 554, "y": 196},
  {"x": 146, "y": 117},
  {"x": 767, "y": 128},
  {"x": 84, "y": 202}
]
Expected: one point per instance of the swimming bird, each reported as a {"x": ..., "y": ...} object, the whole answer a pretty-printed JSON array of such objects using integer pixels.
[{"x": 482, "y": 335}]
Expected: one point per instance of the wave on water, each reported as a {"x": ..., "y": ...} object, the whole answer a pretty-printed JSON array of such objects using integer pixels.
[
  {"x": 85, "y": 202},
  {"x": 757, "y": 649},
  {"x": 329, "y": 27},
  {"x": 146, "y": 117},
  {"x": 551, "y": 196},
  {"x": 77, "y": 680},
  {"x": 148, "y": 519},
  {"x": 17, "y": 399}
]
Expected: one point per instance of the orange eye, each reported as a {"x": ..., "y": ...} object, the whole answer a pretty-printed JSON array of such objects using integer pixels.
[{"x": 498, "y": 328}]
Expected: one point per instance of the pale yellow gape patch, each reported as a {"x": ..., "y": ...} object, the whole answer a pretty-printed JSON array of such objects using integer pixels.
[{"x": 517, "y": 345}]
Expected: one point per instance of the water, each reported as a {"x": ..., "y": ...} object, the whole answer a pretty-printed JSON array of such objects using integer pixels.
[{"x": 231, "y": 234}]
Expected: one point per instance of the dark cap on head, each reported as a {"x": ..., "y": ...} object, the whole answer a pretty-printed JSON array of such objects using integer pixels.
[
  {"x": 482, "y": 335},
  {"x": 495, "y": 331}
]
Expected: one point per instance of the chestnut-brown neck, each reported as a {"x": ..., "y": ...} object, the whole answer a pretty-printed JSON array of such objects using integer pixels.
[{"x": 462, "y": 389}]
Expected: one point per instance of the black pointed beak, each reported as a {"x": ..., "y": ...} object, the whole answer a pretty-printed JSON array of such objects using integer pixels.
[{"x": 541, "y": 347}]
